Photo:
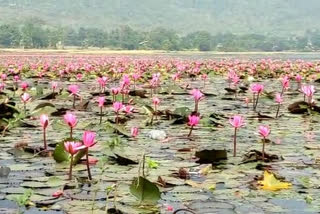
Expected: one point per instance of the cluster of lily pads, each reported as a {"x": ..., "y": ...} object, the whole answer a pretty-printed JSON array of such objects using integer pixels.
[{"x": 118, "y": 81}]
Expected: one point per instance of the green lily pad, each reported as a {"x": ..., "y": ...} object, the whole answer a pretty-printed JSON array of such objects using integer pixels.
[
  {"x": 144, "y": 190},
  {"x": 55, "y": 182}
]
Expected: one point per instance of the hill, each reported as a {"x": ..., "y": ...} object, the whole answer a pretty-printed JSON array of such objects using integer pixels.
[{"x": 280, "y": 17}]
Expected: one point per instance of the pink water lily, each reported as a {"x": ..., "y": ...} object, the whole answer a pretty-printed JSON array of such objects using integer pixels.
[
  {"x": 24, "y": 86},
  {"x": 256, "y": 89},
  {"x": 2, "y": 86},
  {"x": 25, "y": 97},
  {"x": 134, "y": 132},
  {"x": 88, "y": 140},
  {"x": 193, "y": 121},
  {"x": 101, "y": 101},
  {"x": 156, "y": 102},
  {"x": 71, "y": 120},
  {"x": 308, "y": 91},
  {"x": 285, "y": 83},
  {"x": 128, "y": 109},
  {"x": 115, "y": 92},
  {"x": 264, "y": 132},
  {"x": 74, "y": 91},
  {"x": 54, "y": 86},
  {"x": 117, "y": 107},
  {"x": 102, "y": 82},
  {"x": 44, "y": 121},
  {"x": 3, "y": 77},
  {"x": 279, "y": 100},
  {"x": 72, "y": 148},
  {"x": 197, "y": 96},
  {"x": 237, "y": 122}
]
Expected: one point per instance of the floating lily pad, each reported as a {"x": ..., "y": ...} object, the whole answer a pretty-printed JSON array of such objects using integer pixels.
[{"x": 144, "y": 190}]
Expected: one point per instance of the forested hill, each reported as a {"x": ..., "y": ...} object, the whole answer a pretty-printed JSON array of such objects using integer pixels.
[{"x": 281, "y": 17}]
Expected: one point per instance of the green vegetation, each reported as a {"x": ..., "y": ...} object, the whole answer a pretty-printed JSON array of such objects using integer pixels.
[{"x": 34, "y": 34}]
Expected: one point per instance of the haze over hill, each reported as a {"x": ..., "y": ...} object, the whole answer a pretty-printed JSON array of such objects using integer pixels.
[{"x": 275, "y": 17}]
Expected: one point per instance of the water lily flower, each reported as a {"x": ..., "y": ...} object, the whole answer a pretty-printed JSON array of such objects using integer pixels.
[
  {"x": 117, "y": 107},
  {"x": 24, "y": 86},
  {"x": 72, "y": 148},
  {"x": 115, "y": 92},
  {"x": 256, "y": 89},
  {"x": 71, "y": 120},
  {"x": 128, "y": 109},
  {"x": 279, "y": 100},
  {"x": 169, "y": 208},
  {"x": 44, "y": 121},
  {"x": 176, "y": 76},
  {"x": 57, "y": 194},
  {"x": 193, "y": 121},
  {"x": 135, "y": 77},
  {"x": 54, "y": 86},
  {"x": 298, "y": 78},
  {"x": 308, "y": 90},
  {"x": 237, "y": 122},
  {"x": 25, "y": 97},
  {"x": 134, "y": 132},
  {"x": 2, "y": 86},
  {"x": 197, "y": 96},
  {"x": 156, "y": 102},
  {"x": 264, "y": 132},
  {"x": 74, "y": 91},
  {"x": 101, "y": 101},
  {"x": 102, "y": 82},
  {"x": 3, "y": 77},
  {"x": 285, "y": 83},
  {"x": 79, "y": 76},
  {"x": 88, "y": 140}
]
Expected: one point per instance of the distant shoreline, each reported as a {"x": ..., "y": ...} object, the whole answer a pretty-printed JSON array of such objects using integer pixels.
[{"x": 160, "y": 53}]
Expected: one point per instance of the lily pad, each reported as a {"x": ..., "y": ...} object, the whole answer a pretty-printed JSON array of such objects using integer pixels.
[{"x": 144, "y": 190}]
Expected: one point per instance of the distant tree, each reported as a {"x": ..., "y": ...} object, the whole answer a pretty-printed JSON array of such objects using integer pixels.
[
  {"x": 9, "y": 36},
  {"x": 129, "y": 38},
  {"x": 163, "y": 39},
  {"x": 33, "y": 36}
]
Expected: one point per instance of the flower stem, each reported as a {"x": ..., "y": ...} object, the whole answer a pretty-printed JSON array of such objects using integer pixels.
[
  {"x": 74, "y": 102},
  {"x": 263, "y": 145},
  {"x": 191, "y": 128},
  {"x": 253, "y": 101},
  {"x": 44, "y": 139},
  {"x": 117, "y": 118},
  {"x": 88, "y": 167},
  {"x": 70, "y": 170},
  {"x": 235, "y": 143},
  {"x": 255, "y": 107},
  {"x": 71, "y": 130},
  {"x": 278, "y": 110},
  {"x": 100, "y": 115},
  {"x": 196, "y": 106}
]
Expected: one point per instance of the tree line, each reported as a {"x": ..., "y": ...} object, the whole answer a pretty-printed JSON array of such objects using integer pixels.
[{"x": 34, "y": 34}]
